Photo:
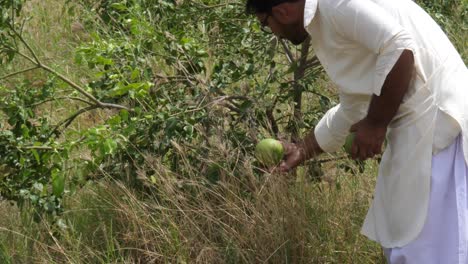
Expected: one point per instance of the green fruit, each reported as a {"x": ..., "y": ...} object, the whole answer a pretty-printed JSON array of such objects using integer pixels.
[
  {"x": 269, "y": 152},
  {"x": 58, "y": 183},
  {"x": 349, "y": 142}
]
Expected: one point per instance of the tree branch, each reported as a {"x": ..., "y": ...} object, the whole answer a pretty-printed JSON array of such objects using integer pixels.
[
  {"x": 18, "y": 72},
  {"x": 299, "y": 74},
  {"x": 65, "y": 123},
  {"x": 289, "y": 54},
  {"x": 60, "y": 98},
  {"x": 329, "y": 159},
  {"x": 271, "y": 118},
  {"x": 25, "y": 43},
  {"x": 72, "y": 84},
  {"x": 39, "y": 148},
  {"x": 313, "y": 62},
  {"x": 230, "y": 98},
  {"x": 231, "y": 107},
  {"x": 75, "y": 86}
]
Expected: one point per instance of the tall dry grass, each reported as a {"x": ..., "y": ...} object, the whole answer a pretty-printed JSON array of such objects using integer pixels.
[{"x": 240, "y": 219}]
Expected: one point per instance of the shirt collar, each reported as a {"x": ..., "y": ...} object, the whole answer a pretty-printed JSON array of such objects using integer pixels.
[{"x": 310, "y": 8}]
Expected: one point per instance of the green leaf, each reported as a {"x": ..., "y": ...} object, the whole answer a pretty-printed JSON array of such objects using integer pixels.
[
  {"x": 36, "y": 155},
  {"x": 119, "y": 6},
  {"x": 246, "y": 105},
  {"x": 109, "y": 146}
]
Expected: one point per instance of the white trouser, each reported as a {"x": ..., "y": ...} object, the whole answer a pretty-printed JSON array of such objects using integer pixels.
[{"x": 444, "y": 237}]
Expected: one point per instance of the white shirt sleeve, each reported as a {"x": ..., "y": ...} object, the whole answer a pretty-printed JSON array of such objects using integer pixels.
[
  {"x": 333, "y": 128},
  {"x": 366, "y": 23}
]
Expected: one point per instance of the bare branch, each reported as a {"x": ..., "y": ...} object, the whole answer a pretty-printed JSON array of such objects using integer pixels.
[
  {"x": 82, "y": 91},
  {"x": 329, "y": 159},
  {"x": 72, "y": 84},
  {"x": 39, "y": 148},
  {"x": 75, "y": 86},
  {"x": 178, "y": 77},
  {"x": 18, "y": 72},
  {"x": 27, "y": 57},
  {"x": 65, "y": 123},
  {"x": 117, "y": 106},
  {"x": 25, "y": 43},
  {"x": 61, "y": 98},
  {"x": 313, "y": 62},
  {"x": 298, "y": 89},
  {"x": 289, "y": 54},
  {"x": 230, "y": 98},
  {"x": 230, "y": 107},
  {"x": 271, "y": 118}
]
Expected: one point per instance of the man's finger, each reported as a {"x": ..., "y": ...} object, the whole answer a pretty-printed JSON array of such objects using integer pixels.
[
  {"x": 377, "y": 149},
  {"x": 362, "y": 154},
  {"x": 288, "y": 148},
  {"x": 283, "y": 167}
]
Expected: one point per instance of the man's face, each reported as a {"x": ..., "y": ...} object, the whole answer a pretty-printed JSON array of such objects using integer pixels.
[{"x": 293, "y": 30}]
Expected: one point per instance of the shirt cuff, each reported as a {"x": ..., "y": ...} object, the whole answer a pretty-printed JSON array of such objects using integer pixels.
[{"x": 331, "y": 132}]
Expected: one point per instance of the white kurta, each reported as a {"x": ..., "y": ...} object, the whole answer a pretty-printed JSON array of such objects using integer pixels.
[
  {"x": 358, "y": 43},
  {"x": 444, "y": 237}
]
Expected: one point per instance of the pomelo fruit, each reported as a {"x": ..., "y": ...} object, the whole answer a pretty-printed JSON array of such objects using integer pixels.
[
  {"x": 349, "y": 142},
  {"x": 269, "y": 152}
]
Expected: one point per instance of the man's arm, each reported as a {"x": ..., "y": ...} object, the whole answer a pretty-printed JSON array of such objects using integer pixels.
[
  {"x": 370, "y": 132},
  {"x": 383, "y": 108}
]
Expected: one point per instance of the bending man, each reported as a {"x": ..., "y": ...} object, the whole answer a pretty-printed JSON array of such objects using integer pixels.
[{"x": 399, "y": 78}]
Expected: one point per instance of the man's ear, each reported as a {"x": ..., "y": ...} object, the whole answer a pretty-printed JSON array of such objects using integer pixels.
[{"x": 284, "y": 13}]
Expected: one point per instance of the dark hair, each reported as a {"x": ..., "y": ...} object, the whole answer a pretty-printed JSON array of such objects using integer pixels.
[{"x": 262, "y": 6}]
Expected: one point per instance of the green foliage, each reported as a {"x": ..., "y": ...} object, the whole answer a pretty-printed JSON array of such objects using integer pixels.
[
  {"x": 9, "y": 10},
  {"x": 184, "y": 72},
  {"x": 452, "y": 16},
  {"x": 4, "y": 257},
  {"x": 31, "y": 157}
]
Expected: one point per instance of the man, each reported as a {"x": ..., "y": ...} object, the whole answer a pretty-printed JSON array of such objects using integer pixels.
[{"x": 399, "y": 78}]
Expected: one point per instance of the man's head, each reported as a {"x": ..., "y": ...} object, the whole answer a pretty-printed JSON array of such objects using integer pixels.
[{"x": 285, "y": 18}]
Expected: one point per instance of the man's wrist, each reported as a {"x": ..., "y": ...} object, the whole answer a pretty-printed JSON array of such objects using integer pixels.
[
  {"x": 303, "y": 151},
  {"x": 309, "y": 146},
  {"x": 376, "y": 122}
]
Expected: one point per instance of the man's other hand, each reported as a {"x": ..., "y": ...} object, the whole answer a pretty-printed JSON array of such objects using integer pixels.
[{"x": 368, "y": 139}]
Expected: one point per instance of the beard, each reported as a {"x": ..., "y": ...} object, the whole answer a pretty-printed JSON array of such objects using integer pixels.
[
  {"x": 298, "y": 41},
  {"x": 297, "y": 37}
]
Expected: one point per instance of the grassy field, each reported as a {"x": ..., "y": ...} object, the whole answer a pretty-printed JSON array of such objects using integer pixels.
[
  {"x": 242, "y": 219},
  {"x": 283, "y": 220}
]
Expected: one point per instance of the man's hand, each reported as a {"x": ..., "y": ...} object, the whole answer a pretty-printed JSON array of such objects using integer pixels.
[
  {"x": 294, "y": 155},
  {"x": 368, "y": 139}
]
